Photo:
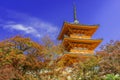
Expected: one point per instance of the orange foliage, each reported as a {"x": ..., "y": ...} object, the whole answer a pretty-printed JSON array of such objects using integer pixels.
[{"x": 21, "y": 54}]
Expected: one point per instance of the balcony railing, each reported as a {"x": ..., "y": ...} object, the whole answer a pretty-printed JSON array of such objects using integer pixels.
[{"x": 82, "y": 37}]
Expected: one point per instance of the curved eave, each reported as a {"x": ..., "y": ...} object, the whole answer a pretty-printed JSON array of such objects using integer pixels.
[
  {"x": 66, "y": 25},
  {"x": 82, "y": 26},
  {"x": 82, "y": 40},
  {"x": 94, "y": 42},
  {"x": 62, "y": 32}
]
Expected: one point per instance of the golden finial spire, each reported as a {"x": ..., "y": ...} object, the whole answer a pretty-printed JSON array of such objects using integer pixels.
[{"x": 75, "y": 16}]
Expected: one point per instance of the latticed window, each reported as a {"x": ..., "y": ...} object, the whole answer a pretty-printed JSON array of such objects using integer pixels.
[
  {"x": 80, "y": 48},
  {"x": 80, "y": 34}
]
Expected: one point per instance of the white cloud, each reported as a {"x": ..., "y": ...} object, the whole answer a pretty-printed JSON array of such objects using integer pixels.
[
  {"x": 29, "y": 25},
  {"x": 25, "y": 29}
]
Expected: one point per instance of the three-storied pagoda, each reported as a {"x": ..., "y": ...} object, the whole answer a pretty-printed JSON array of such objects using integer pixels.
[{"x": 77, "y": 38}]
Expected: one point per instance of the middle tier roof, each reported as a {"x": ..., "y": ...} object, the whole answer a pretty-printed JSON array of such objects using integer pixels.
[{"x": 91, "y": 44}]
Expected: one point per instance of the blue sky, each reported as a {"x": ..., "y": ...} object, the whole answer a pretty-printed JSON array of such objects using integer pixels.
[{"x": 37, "y": 18}]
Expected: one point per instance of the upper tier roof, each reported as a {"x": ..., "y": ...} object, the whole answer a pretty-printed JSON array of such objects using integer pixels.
[{"x": 68, "y": 28}]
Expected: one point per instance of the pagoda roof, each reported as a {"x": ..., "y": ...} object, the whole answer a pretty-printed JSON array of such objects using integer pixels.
[
  {"x": 71, "y": 59},
  {"x": 67, "y": 27},
  {"x": 75, "y": 42}
]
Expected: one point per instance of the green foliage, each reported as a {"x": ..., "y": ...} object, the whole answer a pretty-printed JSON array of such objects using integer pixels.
[
  {"x": 0, "y": 50},
  {"x": 112, "y": 77}
]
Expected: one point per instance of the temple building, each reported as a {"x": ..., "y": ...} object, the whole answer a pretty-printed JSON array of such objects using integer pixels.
[{"x": 77, "y": 37}]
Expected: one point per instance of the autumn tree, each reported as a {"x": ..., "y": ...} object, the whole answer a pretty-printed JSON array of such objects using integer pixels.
[
  {"x": 19, "y": 54},
  {"x": 110, "y": 63}
]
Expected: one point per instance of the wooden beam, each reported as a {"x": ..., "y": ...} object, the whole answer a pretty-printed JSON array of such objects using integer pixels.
[{"x": 70, "y": 30}]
